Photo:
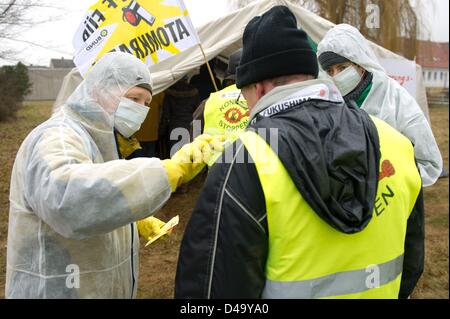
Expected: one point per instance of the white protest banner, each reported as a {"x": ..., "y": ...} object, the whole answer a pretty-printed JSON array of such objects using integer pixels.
[
  {"x": 403, "y": 71},
  {"x": 151, "y": 30}
]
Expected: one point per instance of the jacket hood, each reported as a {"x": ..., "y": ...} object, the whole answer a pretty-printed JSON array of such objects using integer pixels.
[
  {"x": 94, "y": 102},
  {"x": 330, "y": 150},
  {"x": 387, "y": 99},
  {"x": 348, "y": 42}
]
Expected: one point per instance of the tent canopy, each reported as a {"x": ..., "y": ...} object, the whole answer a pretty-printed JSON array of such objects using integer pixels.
[{"x": 223, "y": 36}]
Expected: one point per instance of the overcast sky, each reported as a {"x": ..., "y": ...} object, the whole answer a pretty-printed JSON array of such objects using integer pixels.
[{"x": 58, "y": 35}]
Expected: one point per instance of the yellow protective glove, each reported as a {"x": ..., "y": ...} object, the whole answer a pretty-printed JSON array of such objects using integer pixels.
[
  {"x": 211, "y": 146},
  {"x": 149, "y": 227},
  {"x": 191, "y": 158}
]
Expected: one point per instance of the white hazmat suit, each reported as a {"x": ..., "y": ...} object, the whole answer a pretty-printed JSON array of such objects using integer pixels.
[
  {"x": 387, "y": 99},
  {"x": 73, "y": 203}
]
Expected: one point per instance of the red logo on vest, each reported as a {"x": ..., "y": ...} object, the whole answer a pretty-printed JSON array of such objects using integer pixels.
[
  {"x": 387, "y": 170},
  {"x": 234, "y": 115}
]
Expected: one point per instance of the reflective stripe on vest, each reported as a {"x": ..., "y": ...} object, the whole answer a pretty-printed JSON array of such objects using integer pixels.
[
  {"x": 341, "y": 283},
  {"x": 308, "y": 258},
  {"x": 223, "y": 115}
]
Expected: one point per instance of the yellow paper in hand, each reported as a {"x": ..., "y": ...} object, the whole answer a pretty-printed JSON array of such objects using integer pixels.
[{"x": 164, "y": 230}]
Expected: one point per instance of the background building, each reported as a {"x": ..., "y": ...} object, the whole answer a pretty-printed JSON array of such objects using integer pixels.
[
  {"x": 433, "y": 57},
  {"x": 46, "y": 81}
]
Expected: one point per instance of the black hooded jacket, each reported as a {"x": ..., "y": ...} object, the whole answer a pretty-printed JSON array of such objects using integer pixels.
[{"x": 331, "y": 152}]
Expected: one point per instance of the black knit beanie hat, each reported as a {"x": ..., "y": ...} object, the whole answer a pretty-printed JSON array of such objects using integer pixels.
[
  {"x": 273, "y": 47},
  {"x": 327, "y": 59},
  {"x": 233, "y": 62}
]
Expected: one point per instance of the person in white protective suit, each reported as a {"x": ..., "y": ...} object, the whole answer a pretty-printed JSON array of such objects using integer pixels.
[
  {"x": 74, "y": 203},
  {"x": 350, "y": 62}
]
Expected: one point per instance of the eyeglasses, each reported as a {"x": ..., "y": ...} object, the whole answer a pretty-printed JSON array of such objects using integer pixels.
[
  {"x": 242, "y": 104},
  {"x": 239, "y": 96}
]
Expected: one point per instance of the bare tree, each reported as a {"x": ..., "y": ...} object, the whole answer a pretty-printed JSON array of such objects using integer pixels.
[
  {"x": 394, "y": 25},
  {"x": 16, "y": 16},
  {"x": 308, "y": 4}
]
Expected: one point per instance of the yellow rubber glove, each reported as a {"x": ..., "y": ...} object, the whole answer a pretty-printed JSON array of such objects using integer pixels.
[
  {"x": 149, "y": 227},
  {"x": 191, "y": 158},
  {"x": 212, "y": 146}
]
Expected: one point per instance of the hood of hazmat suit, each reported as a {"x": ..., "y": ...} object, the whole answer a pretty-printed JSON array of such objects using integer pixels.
[
  {"x": 387, "y": 99},
  {"x": 73, "y": 203}
]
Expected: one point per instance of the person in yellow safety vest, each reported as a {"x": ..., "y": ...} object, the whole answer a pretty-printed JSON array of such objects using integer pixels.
[
  {"x": 317, "y": 199},
  {"x": 226, "y": 112}
]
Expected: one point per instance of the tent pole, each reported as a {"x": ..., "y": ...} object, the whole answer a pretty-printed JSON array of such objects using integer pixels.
[{"x": 209, "y": 68}]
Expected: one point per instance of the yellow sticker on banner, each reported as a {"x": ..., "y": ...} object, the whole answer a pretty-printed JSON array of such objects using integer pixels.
[
  {"x": 164, "y": 230},
  {"x": 151, "y": 30}
]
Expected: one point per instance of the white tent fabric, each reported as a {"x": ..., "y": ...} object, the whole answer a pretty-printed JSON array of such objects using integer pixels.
[{"x": 223, "y": 36}]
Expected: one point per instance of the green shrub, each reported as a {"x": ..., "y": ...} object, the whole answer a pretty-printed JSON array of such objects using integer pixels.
[{"x": 14, "y": 85}]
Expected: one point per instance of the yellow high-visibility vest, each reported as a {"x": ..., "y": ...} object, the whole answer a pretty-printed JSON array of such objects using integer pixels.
[
  {"x": 310, "y": 259},
  {"x": 223, "y": 115},
  {"x": 127, "y": 146}
]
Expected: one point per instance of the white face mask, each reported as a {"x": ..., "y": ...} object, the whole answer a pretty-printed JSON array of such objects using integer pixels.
[
  {"x": 129, "y": 116},
  {"x": 347, "y": 80}
]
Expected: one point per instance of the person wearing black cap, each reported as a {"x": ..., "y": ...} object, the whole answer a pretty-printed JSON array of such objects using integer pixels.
[
  {"x": 226, "y": 111},
  {"x": 230, "y": 74},
  {"x": 296, "y": 207}
]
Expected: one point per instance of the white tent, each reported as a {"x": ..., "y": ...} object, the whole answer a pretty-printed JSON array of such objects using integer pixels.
[{"x": 223, "y": 36}]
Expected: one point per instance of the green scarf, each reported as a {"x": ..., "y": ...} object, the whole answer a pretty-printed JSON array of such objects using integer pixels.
[
  {"x": 360, "y": 93},
  {"x": 362, "y": 97}
]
